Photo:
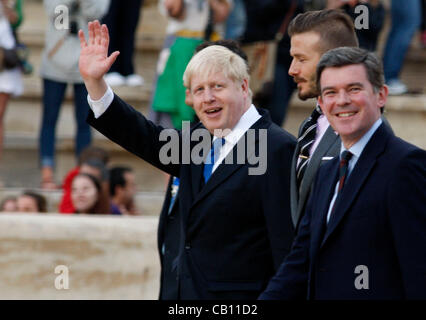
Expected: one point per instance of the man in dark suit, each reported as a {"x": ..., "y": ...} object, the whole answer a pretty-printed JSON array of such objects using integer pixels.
[
  {"x": 312, "y": 34},
  {"x": 168, "y": 233},
  {"x": 234, "y": 214},
  {"x": 364, "y": 232}
]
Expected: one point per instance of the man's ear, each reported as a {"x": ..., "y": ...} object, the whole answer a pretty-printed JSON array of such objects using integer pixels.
[
  {"x": 320, "y": 102},
  {"x": 245, "y": 86},
  {"x": 382, "y": 96},
  {"x": 188, "y": 98}
]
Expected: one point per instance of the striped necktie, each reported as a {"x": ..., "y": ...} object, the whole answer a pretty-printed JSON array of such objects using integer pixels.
[{"x": 305, "y": 141}]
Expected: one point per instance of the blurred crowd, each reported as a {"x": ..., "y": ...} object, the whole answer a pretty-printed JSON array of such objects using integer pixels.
[
  {"x": 95, "y": 187},
  {"x": 92, "y": 187}
]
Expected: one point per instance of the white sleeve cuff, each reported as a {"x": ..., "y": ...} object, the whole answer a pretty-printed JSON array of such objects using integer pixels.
[{"x": 99, "y": 106}]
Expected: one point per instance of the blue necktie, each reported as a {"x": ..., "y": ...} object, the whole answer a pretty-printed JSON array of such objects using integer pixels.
[
  {"x": 212, "y": 157},
  {"x": 174, "y": 191}
]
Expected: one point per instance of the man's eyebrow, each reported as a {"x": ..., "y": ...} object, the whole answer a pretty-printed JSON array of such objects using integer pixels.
[{"x": 347, "y": 86}]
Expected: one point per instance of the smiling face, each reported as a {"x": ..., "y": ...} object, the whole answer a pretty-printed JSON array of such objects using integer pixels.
[
  {"x": 306, "y": 54},
  {"x": 349, "y": 102},
  {"x": 218, "y": 101},
  {"x": 83, "y": 194}
]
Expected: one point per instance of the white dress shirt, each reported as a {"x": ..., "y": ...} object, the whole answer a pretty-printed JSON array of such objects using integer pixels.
[
  {"x": 99, "y": 106},
  {"x": 231, "y": 139}
]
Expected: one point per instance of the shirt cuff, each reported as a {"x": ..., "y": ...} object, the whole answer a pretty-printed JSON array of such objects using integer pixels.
[{"x": 99, "y": 106}]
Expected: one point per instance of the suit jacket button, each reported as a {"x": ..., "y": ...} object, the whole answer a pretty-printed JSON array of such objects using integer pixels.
[{"x": 187, "y": 246}]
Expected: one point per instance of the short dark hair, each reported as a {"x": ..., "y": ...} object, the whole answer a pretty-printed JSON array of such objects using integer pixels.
[
  {"x": 39, "y": 199},
  {"x": 116, "y": 178},
  {"x": 345, "y": 56},
  {"x": 335, "y": 28}
]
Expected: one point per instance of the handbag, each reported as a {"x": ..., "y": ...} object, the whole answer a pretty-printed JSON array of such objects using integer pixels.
[
  {"x": 262, "y": 56},
  {"x": 9, "y": 59}
]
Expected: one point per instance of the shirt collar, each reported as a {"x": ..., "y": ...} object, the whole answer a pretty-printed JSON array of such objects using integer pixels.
[
  {"x": 359, "y": 146},
  {"x": 246, "y": 121}
]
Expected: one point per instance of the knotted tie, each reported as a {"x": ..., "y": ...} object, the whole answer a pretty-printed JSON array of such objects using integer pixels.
[
  {"x": 343, "y": 168},
  {"x": 212, "y": 157},
  {"x": 343, "y": 172},
  {"x": 305, "y": 141}
]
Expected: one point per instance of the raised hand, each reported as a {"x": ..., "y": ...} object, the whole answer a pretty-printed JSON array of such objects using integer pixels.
[{"x": 94, "y": 61}]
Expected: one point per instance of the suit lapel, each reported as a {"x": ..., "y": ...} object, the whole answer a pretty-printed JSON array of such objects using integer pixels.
[
  {"x": 220, "y": 175},
  {"x": 196, "y": 170},
  {"x": 328, "y": 141},
  {"x": 319, "y": 210},
  {"x": 356, "y": 179},
  {"x": 196, "y": 176},
  {"x": 294, "y": 193}
]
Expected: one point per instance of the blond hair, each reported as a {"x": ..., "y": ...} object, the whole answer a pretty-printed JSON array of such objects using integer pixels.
[{"x": 213, "y": 59}]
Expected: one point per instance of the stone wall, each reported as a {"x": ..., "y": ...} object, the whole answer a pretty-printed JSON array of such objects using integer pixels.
[{"x": 106, "y": 257}]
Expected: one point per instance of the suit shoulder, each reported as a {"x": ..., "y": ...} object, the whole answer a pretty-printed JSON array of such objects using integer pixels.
[
  {"x": 400, "y": 150},
  {"x": 277, "y": 135}
]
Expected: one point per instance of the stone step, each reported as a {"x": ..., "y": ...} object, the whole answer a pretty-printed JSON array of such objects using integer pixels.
[
  {"x": 19, "y": 168},
  {"x": 22, "y": 120},
  {"x": 407, "y": 114},
  {"x": 145, "y": 65},
  {"x": 99, "y": 257},
  {"x": 151, "y": 28},
  {"x": 149, "y": 36}
]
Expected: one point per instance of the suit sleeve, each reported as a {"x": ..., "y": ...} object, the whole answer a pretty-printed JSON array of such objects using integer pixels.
[
  {"x": 291, "y": 280},
  {"x": 276, "y": 198},
  {"x": 131, "y": 130},
  {"x": 407, "y": 215}
]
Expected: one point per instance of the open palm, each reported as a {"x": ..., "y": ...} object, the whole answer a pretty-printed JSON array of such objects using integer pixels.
[{"x": 94, "y": 61}]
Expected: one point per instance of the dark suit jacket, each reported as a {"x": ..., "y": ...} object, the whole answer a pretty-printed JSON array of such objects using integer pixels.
[
  {"x": 168, "y": 246},
  {"x": 379, "y": 222},
  {"x": 327, "y": 149},
  {"x": 235, "y": 230}
]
